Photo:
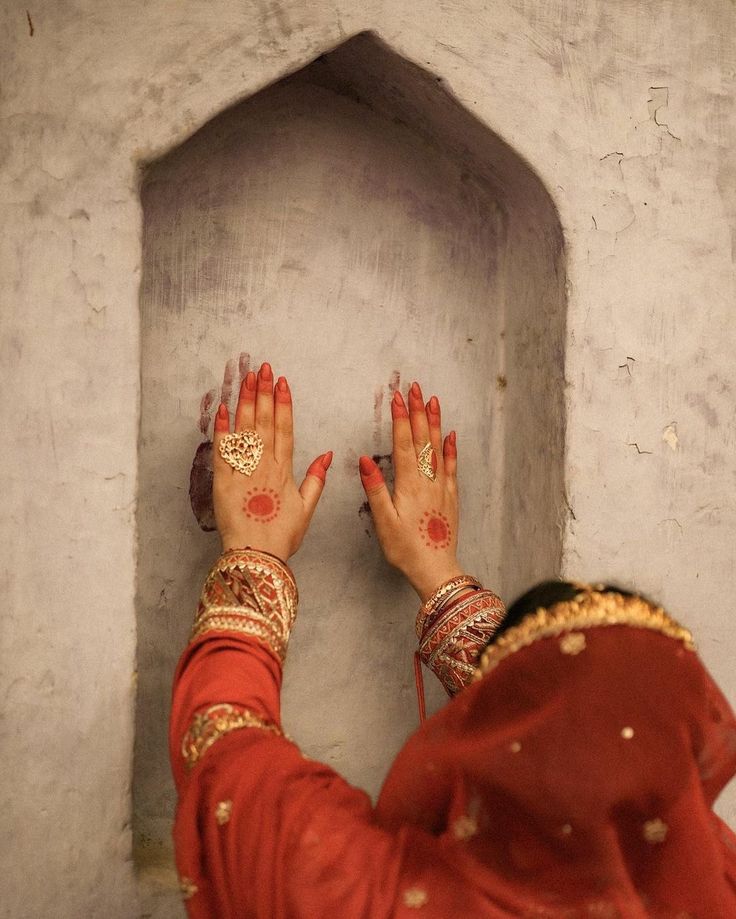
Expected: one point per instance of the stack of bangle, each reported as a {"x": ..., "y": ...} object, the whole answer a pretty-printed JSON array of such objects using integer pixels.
[
  {"x": 454, "y": 626},
  {"x": 441, "y": 599}
]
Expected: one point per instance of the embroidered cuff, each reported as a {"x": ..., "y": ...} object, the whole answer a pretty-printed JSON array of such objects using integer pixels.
[
  {"x": 209, "y": 726},
  {"x": 250, "y": 592},
  {"x": 451, "y": 642}
]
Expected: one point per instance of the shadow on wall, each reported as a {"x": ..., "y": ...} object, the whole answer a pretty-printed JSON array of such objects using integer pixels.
[{"x": 357, "y": 227}]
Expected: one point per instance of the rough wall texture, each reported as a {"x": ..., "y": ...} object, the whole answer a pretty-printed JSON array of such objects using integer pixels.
[
  {"x": 328, "y": 224},
  {"x": 626, "y": 112}
]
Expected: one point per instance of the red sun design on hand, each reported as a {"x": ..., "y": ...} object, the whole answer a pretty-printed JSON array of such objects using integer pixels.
[
  {"x": 434, "y": 528},
  {"x": 262, "y": 505}
]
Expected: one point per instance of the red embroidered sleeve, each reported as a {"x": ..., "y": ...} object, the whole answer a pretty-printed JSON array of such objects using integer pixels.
[{"x": 260, "y": 829}]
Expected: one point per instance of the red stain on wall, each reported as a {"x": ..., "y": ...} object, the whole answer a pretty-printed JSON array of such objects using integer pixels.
[{"x": 200, "y": 487}]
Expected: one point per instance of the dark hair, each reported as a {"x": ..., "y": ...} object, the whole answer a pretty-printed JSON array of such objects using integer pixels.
[{"x": 546, "y": 594}]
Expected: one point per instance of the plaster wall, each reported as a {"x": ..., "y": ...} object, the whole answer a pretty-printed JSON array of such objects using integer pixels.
[
  {"x": 335, "y": 223},
  {"x": 626, "y": 112}
]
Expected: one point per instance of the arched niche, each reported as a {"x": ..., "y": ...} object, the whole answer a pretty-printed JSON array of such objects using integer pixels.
[{"x": 359, "y": 228}]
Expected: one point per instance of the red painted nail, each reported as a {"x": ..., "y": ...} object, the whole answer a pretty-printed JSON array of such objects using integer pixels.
[
  {"x": 370, "y": 475},
  {"x": 453, "y": 438},
  {"x": 317, "y": 469},
  {"x": 283, "y": 393},
  {"x": 250, "y": 381},
  {"x": 222, "y": 411},
  {"x": 434, "y": 405},
  {"x": 327, "y": 459},
  {"x": 415, "y": 390},
  {"x": 398, "y": 406},
  {"x": 266, "y": 373}
]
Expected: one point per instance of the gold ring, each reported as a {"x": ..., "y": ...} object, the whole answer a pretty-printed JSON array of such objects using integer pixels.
[
  {"x": 242, "y": 451},
  {"x": 426, "y": 462}
]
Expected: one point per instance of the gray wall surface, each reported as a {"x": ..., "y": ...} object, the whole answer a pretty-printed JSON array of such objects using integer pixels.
[
  {"x": 609, "y": 453},
  {"x": 358, "y": 252}
]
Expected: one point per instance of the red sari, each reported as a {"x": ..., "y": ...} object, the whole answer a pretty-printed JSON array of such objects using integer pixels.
[{"x": 573, "y": 777}]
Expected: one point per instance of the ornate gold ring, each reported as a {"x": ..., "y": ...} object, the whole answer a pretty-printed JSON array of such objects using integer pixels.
[
  {"x": 425, "y": 462},
  {"x": 242, "y": 451}
]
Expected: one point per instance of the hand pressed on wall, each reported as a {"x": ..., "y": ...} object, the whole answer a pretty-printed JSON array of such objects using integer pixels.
[
  {"x": 265, "y": 510},
  {"x": 417, "y": 525}
]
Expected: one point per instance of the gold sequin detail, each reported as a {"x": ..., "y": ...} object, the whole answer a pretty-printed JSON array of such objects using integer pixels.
[
  {"x": 212, "y": 724},
  {"x": 187, "y": 887},
  {"x": 627, "y": 733},
  {"x": 572, "y": 643},
  {"x": 566, "y": 829},
  {"x": 515, "y": 747},
  {"x": 655, "y": 831},
  {"x": 223, "y": 811},
  {"x": 415, "y": 898},
  {"x": 588, "y": 610},
  {"x": 464, "y": 827}
]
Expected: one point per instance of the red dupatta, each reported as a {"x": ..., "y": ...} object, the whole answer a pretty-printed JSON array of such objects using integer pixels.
[{"x": 575, "y": 779}]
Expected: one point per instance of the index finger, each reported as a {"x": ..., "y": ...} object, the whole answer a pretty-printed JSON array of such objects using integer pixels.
[
  {"x": 404, "y": 455},
  {"x": 283, "y": 420},
  {"x": 222, "y": 427}
]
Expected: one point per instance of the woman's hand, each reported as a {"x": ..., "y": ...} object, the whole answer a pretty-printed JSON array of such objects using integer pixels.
[
  {"x": 265, "y": 510},
  {"x": 417, "y": 527}
]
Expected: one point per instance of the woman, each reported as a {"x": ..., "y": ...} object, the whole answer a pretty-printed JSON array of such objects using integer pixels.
[{"x": 571, "y": 775}]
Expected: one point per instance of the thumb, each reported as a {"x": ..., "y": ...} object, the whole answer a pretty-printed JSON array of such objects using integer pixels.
[
  {"x": 375, "y": 488},
  {"x": 314, "y": 481}
]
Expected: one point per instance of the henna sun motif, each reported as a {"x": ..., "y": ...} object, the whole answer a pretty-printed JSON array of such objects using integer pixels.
[
  {"x": 262, "y": 505},
  {"x": 435, "y": 529}
]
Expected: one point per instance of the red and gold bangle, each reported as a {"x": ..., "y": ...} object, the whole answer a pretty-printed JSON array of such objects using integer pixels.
[
  {"x": 453, "y": 640},
  {"x": 250, "y": 592},
  {"x": 430, "y": 605}
]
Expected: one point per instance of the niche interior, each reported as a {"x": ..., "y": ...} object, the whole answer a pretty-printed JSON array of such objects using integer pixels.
[{"x": 359, "y": 228}]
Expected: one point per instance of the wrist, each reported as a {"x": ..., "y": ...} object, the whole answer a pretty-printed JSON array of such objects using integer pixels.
[
  {"x": 428, "y": 581},
  {"x": 278, "y": 550}
]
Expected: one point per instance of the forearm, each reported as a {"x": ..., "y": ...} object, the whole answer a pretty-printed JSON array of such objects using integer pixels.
[{"x": 229, "y": 676}]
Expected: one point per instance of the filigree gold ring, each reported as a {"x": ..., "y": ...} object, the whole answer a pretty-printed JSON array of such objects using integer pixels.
[
  {"x": 242, "y": 451},
  {"x": 427, "y": 462}
]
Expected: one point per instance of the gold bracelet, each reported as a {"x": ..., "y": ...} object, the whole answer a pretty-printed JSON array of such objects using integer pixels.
[
  {"x": 453, "y": 594},
  {"x": 429, "y": 605},
  {"x": 251, "y": 592}
]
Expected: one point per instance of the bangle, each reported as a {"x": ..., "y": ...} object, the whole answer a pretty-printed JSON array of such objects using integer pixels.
[
  {"x": 429, "y": 605},
  {"x": 453, "y": 594},
  {"x": 250, "y": 592}
]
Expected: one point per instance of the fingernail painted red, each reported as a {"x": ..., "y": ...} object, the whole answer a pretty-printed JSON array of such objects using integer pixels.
[
  {"x": 250, "y": 381},
  {"x": 222, "y": 422},
  {"x": 283, "y": 394},
  {"x": 367, "y": 466},
  {"x": 415, "y": 390},
  {"x": 434, "y": 405},
  {"x": 398, "y": 408},
  {"x": 317, "y": 469},
  {"x": 453, "y": 438},
  {"x": 266, "y": 373},
  {"x": 327, "y": 459}
]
